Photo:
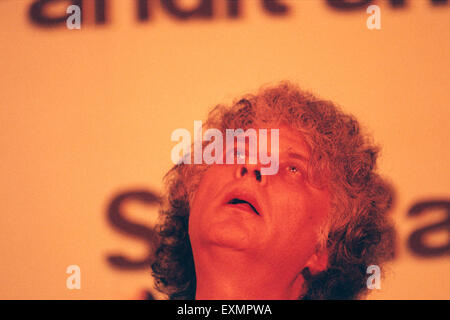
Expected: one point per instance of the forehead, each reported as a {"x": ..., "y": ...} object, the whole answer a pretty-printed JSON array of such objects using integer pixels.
[
  {"x": 290, "y": 140},
  {"x": 293, "y": 140}
]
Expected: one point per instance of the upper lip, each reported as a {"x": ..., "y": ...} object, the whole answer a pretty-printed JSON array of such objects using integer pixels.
[{"x": 243, "y": 196}]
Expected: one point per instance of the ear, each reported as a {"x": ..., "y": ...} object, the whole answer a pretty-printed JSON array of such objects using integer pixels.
[{"x": 318, "y": 261}]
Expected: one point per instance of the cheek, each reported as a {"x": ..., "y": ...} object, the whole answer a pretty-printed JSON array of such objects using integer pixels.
[
  {"x": 207, "y": 194},
  {"x": 301, "y": 217},
  {"x": 199, "y": 205},
  {"x": 315, "y": 210},
  {"x": 207, "y": 187}
]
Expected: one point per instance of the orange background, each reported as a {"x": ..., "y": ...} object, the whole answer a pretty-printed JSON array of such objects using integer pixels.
[{"x": 86, "y": 114}]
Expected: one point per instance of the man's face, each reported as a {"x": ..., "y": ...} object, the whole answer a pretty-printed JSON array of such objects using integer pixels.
[{"x": 272, "y": 218}]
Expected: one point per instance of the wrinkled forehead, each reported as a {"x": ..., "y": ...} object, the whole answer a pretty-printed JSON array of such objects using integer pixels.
[
  {"x": 293, "y": 141},
  {"x": 290, "y": 140}
]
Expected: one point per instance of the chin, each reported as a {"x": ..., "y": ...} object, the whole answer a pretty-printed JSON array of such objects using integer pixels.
[{"x": 229, "y": 235}]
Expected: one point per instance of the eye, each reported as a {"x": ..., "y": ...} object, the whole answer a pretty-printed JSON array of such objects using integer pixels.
[
  {"x": 293, "y": 171},
  {"x": 236, "y": 154},
  {"x": 240, "y": 155}
]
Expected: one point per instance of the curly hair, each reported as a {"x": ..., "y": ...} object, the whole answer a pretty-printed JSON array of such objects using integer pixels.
[{"x": 359, "y": 231}]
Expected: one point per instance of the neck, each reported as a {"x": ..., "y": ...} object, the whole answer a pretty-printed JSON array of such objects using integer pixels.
[{"x": 228, "y": 282}]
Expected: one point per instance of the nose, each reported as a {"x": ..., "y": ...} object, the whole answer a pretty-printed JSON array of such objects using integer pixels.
[{"x": 252, "y": 172}]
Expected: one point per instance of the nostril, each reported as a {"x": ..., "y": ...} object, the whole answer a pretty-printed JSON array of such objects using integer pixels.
[
  {"x": 244, "y": 171},
  {"x": 258, "y": 175}
]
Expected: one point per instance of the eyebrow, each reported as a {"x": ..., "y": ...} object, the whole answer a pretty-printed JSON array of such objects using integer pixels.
[{"x": 297, "y": 156}]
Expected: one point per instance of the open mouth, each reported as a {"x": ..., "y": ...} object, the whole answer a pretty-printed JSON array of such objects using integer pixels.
[{"x": 244, "y": 204}]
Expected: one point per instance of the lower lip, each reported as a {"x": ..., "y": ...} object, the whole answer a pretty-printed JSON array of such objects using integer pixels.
[{"x": 242, "y": 207}]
